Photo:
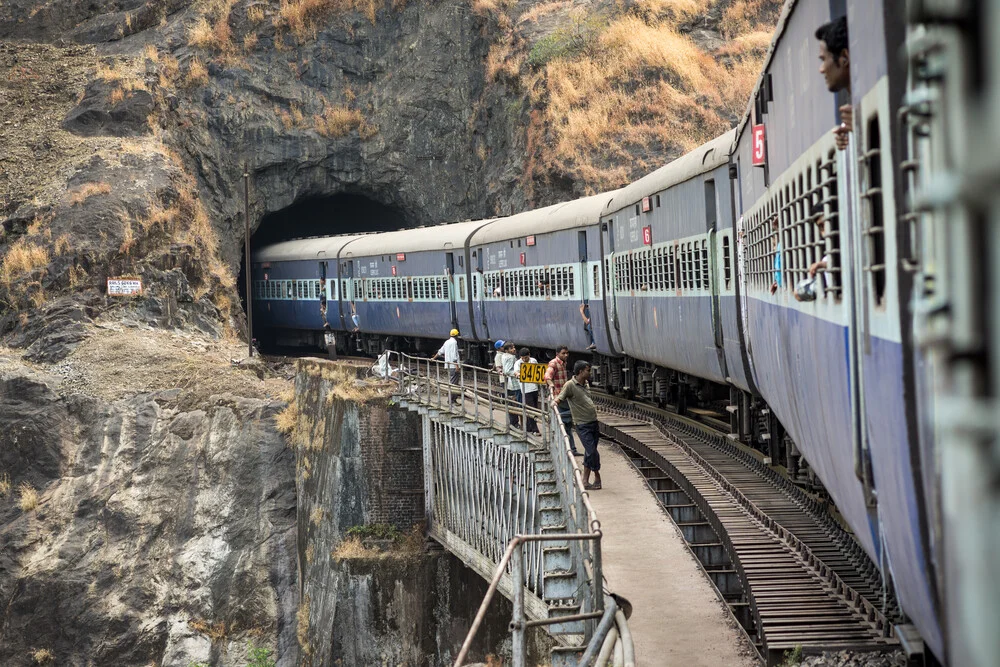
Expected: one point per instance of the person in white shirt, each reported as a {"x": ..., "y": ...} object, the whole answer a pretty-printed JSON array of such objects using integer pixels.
[
  {"x": 450, "y": 353},
  {"x": 513, "y": 386},
  {"x": 529, "y": 390}
]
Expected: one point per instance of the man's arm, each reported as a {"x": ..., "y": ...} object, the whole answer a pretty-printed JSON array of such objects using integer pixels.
[{"x": 566, "y": 391}]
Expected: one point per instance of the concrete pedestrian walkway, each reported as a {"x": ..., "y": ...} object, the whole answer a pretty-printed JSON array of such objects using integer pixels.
[{"x": 677, "y": 618}]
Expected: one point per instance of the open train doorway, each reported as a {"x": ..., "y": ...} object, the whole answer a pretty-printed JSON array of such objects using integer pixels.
[{"x": 315, "y": 216}]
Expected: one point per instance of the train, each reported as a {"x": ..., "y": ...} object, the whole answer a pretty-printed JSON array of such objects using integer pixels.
[{"x": 767, "y": 273}]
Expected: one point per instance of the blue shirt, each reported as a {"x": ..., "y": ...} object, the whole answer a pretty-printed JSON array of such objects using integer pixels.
[{"x": 777, "y": 264}]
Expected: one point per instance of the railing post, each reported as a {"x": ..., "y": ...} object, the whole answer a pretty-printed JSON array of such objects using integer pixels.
[
  {"x": 475, "y": 391},
  {"x": 519, "y": 654}
]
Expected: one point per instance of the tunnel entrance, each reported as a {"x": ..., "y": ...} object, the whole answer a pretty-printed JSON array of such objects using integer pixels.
[{"x": 325, "y": 215}]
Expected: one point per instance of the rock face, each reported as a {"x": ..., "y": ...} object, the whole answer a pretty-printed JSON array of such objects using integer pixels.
[
  {"x": 370, "y": 601},
  {"x": 163, "y": 534}
]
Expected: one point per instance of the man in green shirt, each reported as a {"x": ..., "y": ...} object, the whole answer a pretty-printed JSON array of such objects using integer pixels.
[{"x": 576, "y": 393}]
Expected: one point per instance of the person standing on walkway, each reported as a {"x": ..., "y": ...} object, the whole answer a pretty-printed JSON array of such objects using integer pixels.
[
  {"x": 529, "y": 390},
  {"x": 555, "y": 378},
  {"x": 513, "y": 386},
  {"x": 450, "y": 353},
  {"x": 576, "y": 392}
]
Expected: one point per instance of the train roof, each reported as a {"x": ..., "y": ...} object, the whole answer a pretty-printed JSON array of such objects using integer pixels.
[
  {"x": 566, "y": 215},
  {"x": 702, "y": 159},
  {"x": 437, "y": 237},
  {"x": 325, "y": 247}
]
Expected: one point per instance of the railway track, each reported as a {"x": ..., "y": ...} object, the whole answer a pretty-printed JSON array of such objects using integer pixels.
[{"x": 791, "y": 576}]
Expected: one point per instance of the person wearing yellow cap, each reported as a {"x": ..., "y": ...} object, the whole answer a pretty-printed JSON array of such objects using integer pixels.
[{"x": 450, "y": 353}]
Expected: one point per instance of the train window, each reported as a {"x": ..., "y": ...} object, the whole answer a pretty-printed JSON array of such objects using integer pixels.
[
  {"x": 571, "y": 281},
  {"x": 445, "y": 284},
  {"x": 461, "y": 261},
  {"x": 875, "y": 219},
  {"x": 727, "y": 270},
  {"x": 637, "y": 209},
  {"x": 288, "y": 286},
  {"x": 461, "y": 288},
  {"x": 704, "y": 264},
  {"x": 597, "y": 281},
  {"x": 657, "y": 201}
]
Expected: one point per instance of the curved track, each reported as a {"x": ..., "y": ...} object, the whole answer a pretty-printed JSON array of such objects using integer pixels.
[{"x": 791, "y": 575}]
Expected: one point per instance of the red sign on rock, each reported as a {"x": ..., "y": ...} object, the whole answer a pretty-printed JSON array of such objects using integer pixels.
[{"x": 647, "y": 235}]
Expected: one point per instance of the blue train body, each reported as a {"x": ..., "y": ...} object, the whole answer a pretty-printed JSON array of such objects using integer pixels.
[{"x": 688, "y": 274}]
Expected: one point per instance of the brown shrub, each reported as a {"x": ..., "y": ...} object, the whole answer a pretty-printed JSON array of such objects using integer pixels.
[
  {"x": 255, "y": 14},
  {"x": 42, "y": 656},
  {"x": 22, "y": 258},
  {"x": 117, "y": 95},
  {"x": 250, "y": 42},
  {"x": 4, "y": 485},
  {"x": 337, "y": 121},
  {"x": 80, "y": 194},
  {"x": 28, "y": 497},
  {"x": 197, "y": 74}
]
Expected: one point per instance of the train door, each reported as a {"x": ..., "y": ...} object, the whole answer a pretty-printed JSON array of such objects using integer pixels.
[
  {"x": 611, "y": 294},
  {"x": 323, "y": 289},
  {"x": 449, "y": 258},
  {"x": 347, "y": 309},
  {"x": 479, "y": 293},
  {"x": 711, "y": 223}
]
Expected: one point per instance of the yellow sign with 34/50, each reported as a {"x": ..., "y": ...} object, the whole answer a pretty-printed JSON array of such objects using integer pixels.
[{"x": 533, "y": 373}]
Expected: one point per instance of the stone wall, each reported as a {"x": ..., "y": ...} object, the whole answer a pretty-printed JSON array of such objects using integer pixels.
[{"x": 407, "y": 603}]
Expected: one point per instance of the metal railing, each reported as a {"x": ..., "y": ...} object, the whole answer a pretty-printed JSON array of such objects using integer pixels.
[{"x": 509, "y": 514}]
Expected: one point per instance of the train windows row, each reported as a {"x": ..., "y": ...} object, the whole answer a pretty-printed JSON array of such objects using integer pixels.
[
  {"x": 540, "y": 283},
  {"x": 420, "y": 288},
  {"x": 675, "y": 266},
  {"x": 801, "y": 219},
  {"x": 289, "y": 289}
]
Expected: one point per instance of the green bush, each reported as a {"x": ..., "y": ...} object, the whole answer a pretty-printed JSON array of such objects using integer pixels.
[
  {"x": 260, "y": 657},
  {"x": 567, "y": 40},
  {"x": 376, "y": 531}
]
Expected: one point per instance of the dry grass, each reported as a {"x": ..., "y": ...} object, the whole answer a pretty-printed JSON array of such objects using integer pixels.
[
  {"x": 316, "y": 516},
  {"x": 302, "y": 625},
  {"x": 304, "y": 18},
  {"x": 337, "y": 121},
  {"x": 614, "y": 105},
  {"x": 62, "y": 245},
  {"x": 250, "y": 42},
  {"x": 117, "y": 95},
  {"x": 42, "y": 656},
  {"x": 287, "y": 420},
  {"x": 211, "y": 30},
  {"x": 4, "y": 485},
  {"x": 22, "y": 258},
  {"x": 352, "y": 548},
  {"x": 28, "y": 499},
  {"x": 255, "y": 14},
  {"x": 126, "y": 73},
  {"x": 745, "y": 16},
  {"x": 84, "y": 192},
  {"x": 151, "y": 53},
  {"x": 214, "y": 631},
  {"x": 197, "y": 74}
]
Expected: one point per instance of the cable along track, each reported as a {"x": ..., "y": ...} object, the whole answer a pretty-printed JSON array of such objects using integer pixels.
[{"x": 779, "y": 588}]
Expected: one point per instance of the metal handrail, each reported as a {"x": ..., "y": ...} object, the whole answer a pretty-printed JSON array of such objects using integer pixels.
[{"x": 430, "y": 380}]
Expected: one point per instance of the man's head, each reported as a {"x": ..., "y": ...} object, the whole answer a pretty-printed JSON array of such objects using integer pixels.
[
  {"x": 498, "y": 345},
  {"x": 524, "y": 353},
  {"x": 835, "y": 61},
  {"x": 454, "y": 332},
  {"x": 562, "y": 353},
  {"x": 581, "y": 371},
  {"x": 511, "y": 348},
  {"x": 816, "y": 213}
]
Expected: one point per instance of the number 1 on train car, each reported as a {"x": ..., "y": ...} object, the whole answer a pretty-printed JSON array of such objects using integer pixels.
[{"x": 533, "y": 373}]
